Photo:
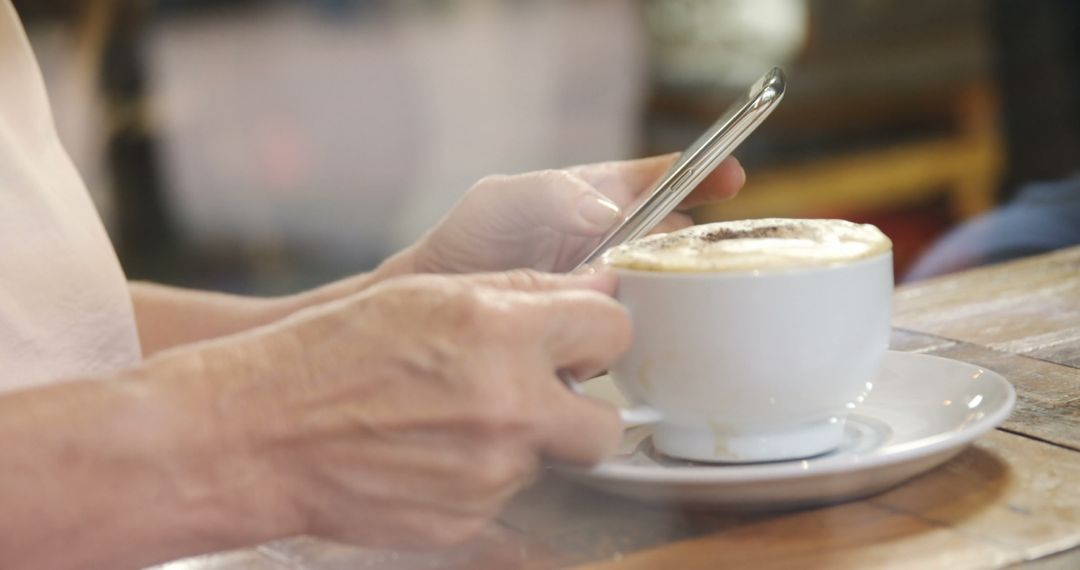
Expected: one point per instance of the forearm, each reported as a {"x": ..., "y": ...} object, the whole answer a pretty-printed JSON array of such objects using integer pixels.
[
  {"x": 127, "y": 471},
  {"x": 171, "y": 316}
]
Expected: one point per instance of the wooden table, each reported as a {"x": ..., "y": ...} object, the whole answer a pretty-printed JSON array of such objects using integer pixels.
[{"x": 1012, "y": 498}]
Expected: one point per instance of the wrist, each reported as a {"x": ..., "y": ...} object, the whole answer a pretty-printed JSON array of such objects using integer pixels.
[{"x": 214, "y": 472}]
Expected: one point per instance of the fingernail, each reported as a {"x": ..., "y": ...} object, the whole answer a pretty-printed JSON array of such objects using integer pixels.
[
  {"x": 598, "y": 211},
  {"x": 742, "y": 174}
]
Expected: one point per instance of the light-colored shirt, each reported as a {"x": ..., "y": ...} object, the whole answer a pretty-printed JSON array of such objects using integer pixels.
[{"x": 65, "y": 308}]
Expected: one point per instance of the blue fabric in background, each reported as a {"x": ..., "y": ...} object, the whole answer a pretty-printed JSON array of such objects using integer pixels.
[{"x": 1043, "y": 217}]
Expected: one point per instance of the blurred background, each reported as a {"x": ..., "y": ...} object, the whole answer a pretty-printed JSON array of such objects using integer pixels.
[{"x": 266, "y": 146}]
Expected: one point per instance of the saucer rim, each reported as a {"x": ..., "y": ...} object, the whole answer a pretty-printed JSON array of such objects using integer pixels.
[{"x": 787, "y": 470}]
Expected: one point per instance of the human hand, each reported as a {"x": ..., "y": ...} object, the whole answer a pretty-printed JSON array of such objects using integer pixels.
[
  {"x": 549, "y": 220},
  {"x": 407, "y": 415}
]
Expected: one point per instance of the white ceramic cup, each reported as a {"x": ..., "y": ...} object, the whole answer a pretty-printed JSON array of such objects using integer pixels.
[{"x": 747, "y": 366}]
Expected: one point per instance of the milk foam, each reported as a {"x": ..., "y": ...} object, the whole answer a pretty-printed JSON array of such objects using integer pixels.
[{"x": 748, "y": 245}]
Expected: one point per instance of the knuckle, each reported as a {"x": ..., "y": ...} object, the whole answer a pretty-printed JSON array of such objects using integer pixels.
[
  {"x": 526, "y": 279},
  {"x": 607, "y": 319},
  {"x": 466, "y": 311},
  {"x": 499, "y": 473},
  {"x": 572, "y": 183},
  {"x": 498, "y": 323},
  {"x": 551, "y": 174},
  {"x": 559, "y": 176},
  {"x": 505, "y": 413},
  {"x": 490, "y": 182},
  {"x": 502, "y": 318}
]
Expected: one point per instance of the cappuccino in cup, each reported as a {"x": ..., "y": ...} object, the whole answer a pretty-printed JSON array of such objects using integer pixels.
[
  {"x": 754, "y": 339},
  {"x": 752, "y": 245}
]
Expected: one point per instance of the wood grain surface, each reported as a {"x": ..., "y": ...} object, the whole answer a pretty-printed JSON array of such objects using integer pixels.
[
  {"x": 1013, "y": 498},
  {"x": 1029, "y": 307}
]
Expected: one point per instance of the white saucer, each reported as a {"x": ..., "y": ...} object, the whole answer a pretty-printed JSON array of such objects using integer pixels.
[{"x": 922, "y": 411}]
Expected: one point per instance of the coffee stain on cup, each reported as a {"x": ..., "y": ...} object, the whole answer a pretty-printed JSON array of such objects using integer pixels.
[
  {"x": 644, "y": 375},
  {"x": 720, "y": 433}
]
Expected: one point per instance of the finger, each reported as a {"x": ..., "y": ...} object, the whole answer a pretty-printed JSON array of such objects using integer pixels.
[
  {"x": 579, "y": 430},
  {"x": 624, "y": 180},
  {"x": 556, "y": 199},
  {"x": 721, "y": 184},
  {"x": 638, "y": 172},
  {"x": 581, "y": 332},
  {"x": 598, "y": 279},
  {"x": 673, "y": 221}
]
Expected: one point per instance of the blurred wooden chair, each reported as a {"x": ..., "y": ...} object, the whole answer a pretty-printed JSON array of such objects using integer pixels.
[
  {"x": 891, "y": 105},
  {"x": 962, "y": 163}
]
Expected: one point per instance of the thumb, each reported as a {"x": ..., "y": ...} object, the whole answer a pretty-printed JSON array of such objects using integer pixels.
[
  {"x": 634, "y": 176},
  {"x": 593, "y": 279},
  {"x": 555, "y": 199}
]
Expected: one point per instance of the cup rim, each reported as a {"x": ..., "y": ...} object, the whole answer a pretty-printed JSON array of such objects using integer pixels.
[{"x": 751, "y": 273}]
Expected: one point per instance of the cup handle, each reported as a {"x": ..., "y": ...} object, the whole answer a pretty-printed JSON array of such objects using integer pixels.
[{"x": 638, "y": 415}]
